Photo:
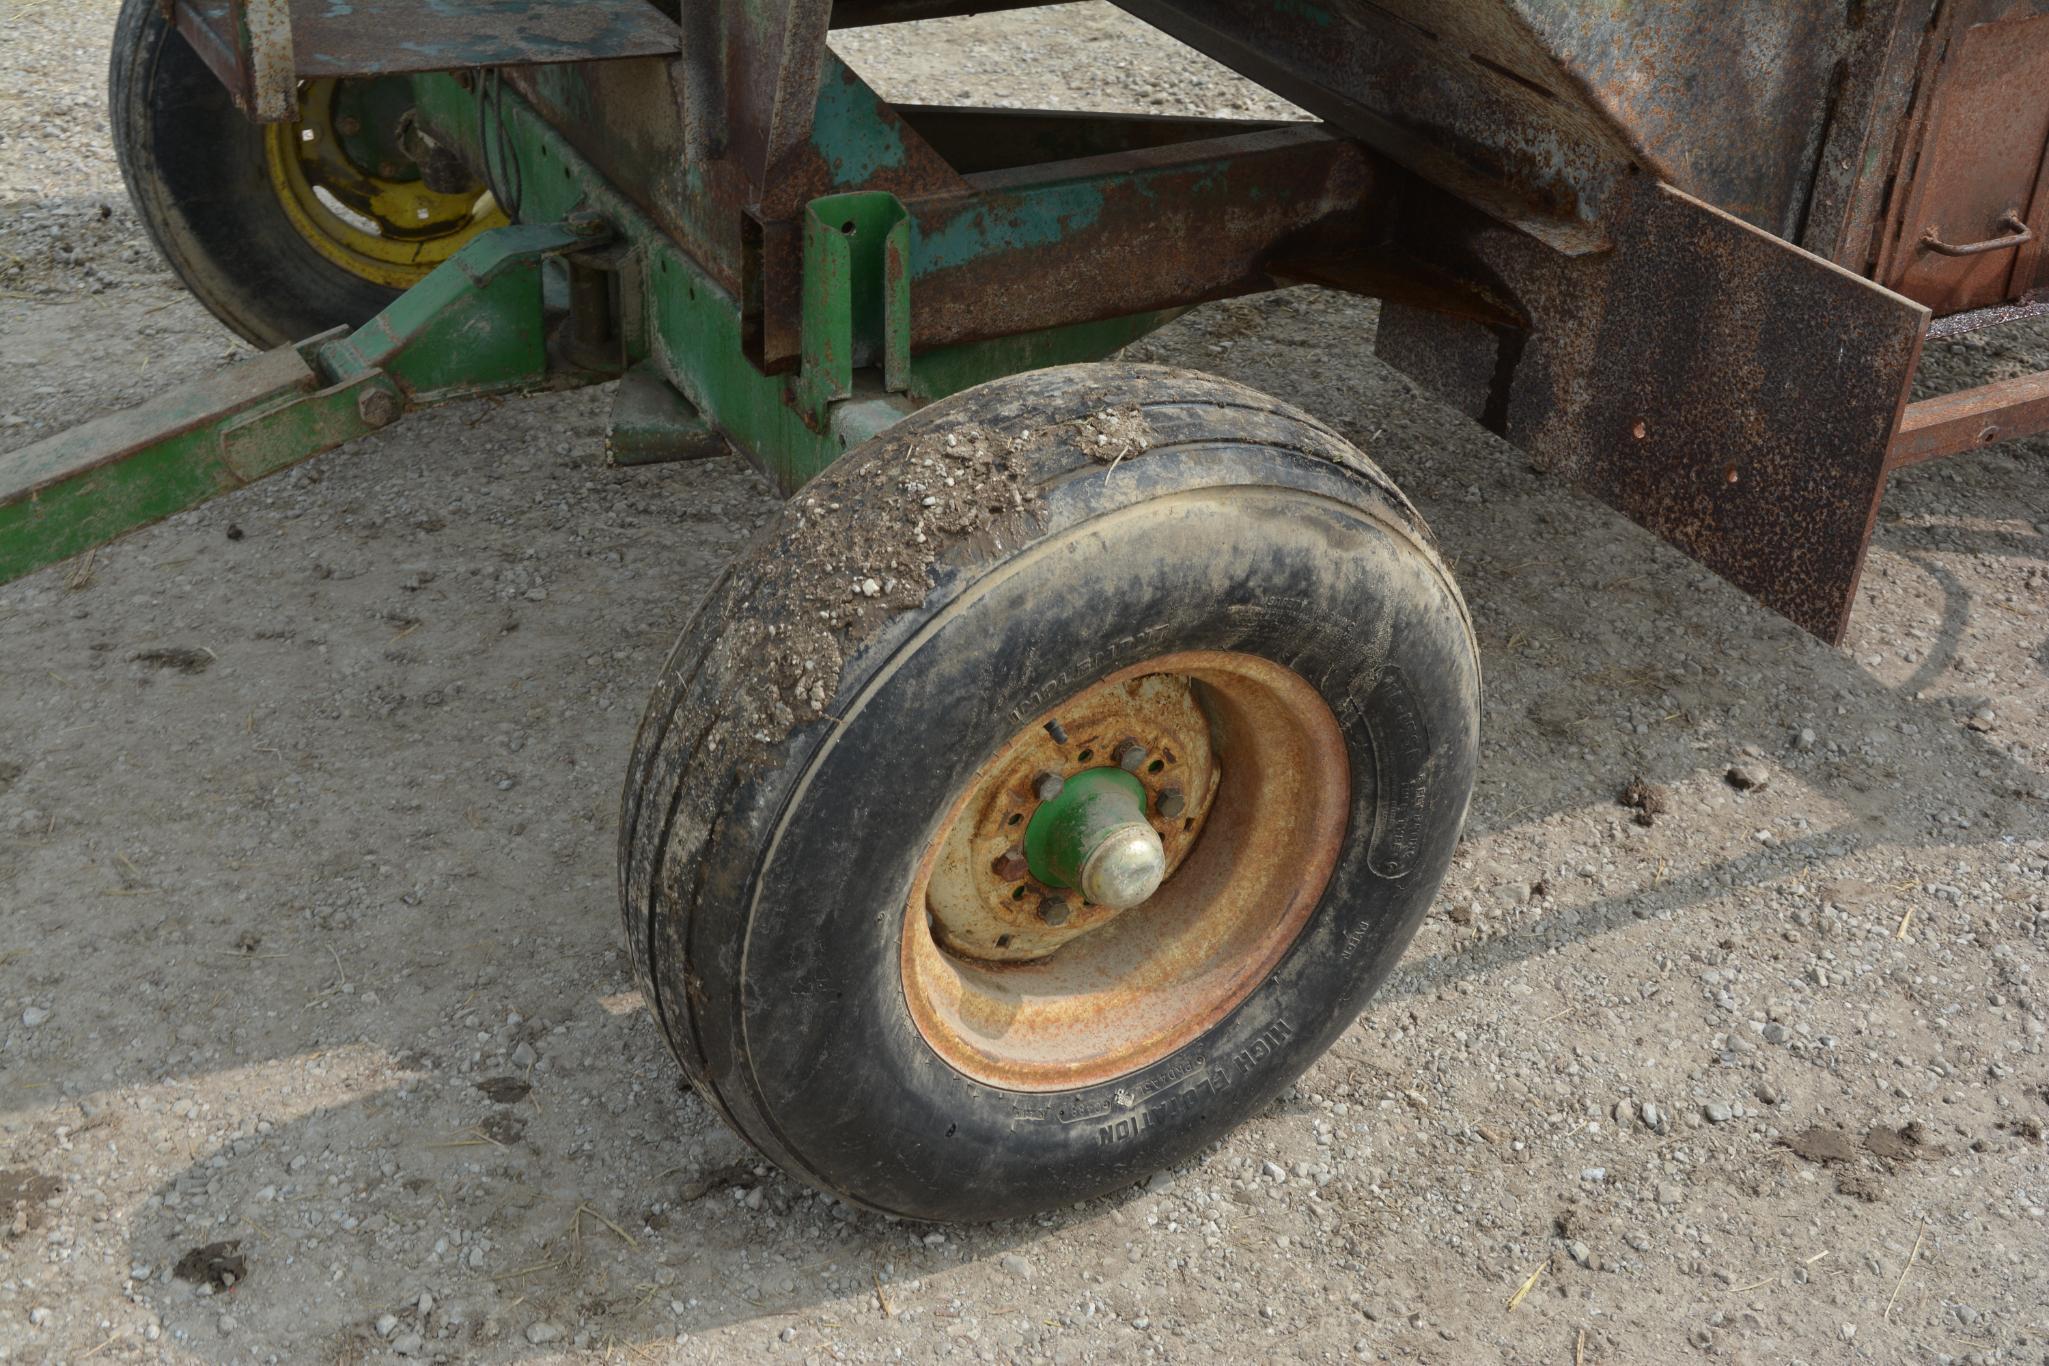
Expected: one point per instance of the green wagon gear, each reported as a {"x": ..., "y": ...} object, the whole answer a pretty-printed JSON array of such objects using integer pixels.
[{"x": 1073, "y": 759}]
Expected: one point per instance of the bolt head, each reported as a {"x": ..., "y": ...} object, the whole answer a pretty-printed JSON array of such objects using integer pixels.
[
  {"x": 348, "y": 125},
  {"x": 377, "y": 407},
  {"x": 1047, "y": 786},
  {"x": 1172, "y": 802},
  {"x": 1053, "y": 909},
  {"x": 1011, "y": 865},
  {"x": 1130, "y": 755},
  {"x": 585, "y": 223}
]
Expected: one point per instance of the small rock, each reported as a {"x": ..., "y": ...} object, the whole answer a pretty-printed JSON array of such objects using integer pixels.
[
  {"x": 1016, "y": 1266},
  {"x": 542, "y": 1332},
  {"x": 1653, "y": 1116},
  {"x": 1581, "y": 1253},
  {"x": 35, "y": 1015},
  {"x": 1274, "y": 1170},
  {"x": 1803, "y": 740},
  {"x": 1747, "y": 777},
  {"x": 387, "y": 1324},
  {"x": 39, "y": 1315},
  {"x": 408, "y": 1344},
  {"x": 1715, "y": 1112},
  {"x": 524, "y": 1055},
  {"x": 1776, "y": 1033},
  {"x": 1670, "y": 1193},
  {"x": 1981, "y": 719}
]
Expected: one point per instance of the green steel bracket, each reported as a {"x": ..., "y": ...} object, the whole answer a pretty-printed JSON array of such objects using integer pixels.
[
  {"x": 473, "y": 326},
  {"x": 857, "y": 296}
]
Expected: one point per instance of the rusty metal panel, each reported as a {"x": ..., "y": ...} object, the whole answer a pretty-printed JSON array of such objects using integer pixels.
[
  {"x": 1969, "y": 236},
  {"x": 1726, "y": 99},
  {"x": 1727, "y": 390}
]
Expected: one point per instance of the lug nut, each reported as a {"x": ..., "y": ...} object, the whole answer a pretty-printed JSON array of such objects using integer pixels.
[
  {"x": 1011, "y": 865},
  {"x": 1053, "y": 909},
  {"x": 1047, "y": 786},
  {"x": 1171, "y": 803},
  {"x": 1130, "y": 755}
]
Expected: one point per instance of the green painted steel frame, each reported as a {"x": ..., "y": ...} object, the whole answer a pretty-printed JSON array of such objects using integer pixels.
[
  {"x": 475, "y": 326},
  {"x": 856, "y": 374}
]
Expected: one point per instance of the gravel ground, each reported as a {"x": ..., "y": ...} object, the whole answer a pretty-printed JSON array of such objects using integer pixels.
[{"x": 316, "y": 1040}]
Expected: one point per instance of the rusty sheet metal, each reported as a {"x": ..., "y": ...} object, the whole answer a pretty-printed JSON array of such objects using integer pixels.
[
  {"x": 1726, "y": 99},
  {"x": 1978, "y": 174},
  {"x": 1534, "y": 109},
  {"x": 1878, "y": 82},
  {"x": 1971, "y": 419},
  {"x": 259, "y": 48},
  {"x": 1460, "y": 94},
  {"x": 1720, "y": 387}
]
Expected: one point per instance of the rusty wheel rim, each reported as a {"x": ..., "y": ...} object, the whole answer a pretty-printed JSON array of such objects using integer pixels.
[{"x": 1012, "y": 1001}]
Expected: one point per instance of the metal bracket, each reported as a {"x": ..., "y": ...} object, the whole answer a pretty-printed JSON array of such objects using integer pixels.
[{"x": 857, "y": 296}]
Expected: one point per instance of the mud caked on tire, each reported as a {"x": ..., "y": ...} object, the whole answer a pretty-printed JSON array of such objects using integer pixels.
[{"x": 1201, "y": 598}]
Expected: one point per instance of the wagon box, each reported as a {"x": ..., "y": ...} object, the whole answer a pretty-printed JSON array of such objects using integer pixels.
[{"x": 1072, "y": 760}]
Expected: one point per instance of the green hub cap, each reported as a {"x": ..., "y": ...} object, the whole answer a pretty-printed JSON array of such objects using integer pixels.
[{"x": 1094, "y": 836}]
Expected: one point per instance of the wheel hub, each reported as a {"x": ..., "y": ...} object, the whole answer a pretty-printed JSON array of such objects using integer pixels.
[
  {"x": 1075, "y": 919},
  {"x": 1094, "y": 837},
  {"x": 1079, "y": 819}
]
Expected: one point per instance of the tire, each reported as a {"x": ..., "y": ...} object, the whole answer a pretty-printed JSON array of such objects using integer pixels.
[
  {"x": 196, "y": 171},
  {"x": 768, "y": 849}
]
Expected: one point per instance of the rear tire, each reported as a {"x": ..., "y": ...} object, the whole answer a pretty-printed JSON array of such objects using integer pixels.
[
  {"x": 778, "y": 814},
  {"x": 196, "y": 171}
]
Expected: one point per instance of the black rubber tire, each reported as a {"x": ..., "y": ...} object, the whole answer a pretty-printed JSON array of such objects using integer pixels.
[
  {"x": 195, "y": 169},
  {"x": 764, "y": 875}
]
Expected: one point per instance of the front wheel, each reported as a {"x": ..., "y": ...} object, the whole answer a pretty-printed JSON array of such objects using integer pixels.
[
  {"x": 1047, "y": 790},
  {"x": 282, "y": 230}
]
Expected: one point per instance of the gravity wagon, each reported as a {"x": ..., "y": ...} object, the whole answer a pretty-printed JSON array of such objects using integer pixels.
[{"x": 1063, "y": 770}]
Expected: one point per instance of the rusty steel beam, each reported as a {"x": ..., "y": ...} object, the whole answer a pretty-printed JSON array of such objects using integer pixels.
[
  {"x": 1101, "y": 237},
  {"x": 1971, "y": 420}
]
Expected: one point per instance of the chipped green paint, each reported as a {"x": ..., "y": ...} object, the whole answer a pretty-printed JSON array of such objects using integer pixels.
[
  {"x": 1042, "y": 219},
  {"x": 851, "y": 136}
]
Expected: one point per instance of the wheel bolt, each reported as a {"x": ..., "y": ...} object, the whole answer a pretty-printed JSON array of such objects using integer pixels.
[
  {"x": 1047, "y": 786},
  {"x": 1010, "y": 865},
  {"x": 1171, "y": 803},
  {"x": 377, "y": 407},
  {"x": 348, "y": 125},
  {"x": 1053, "y": 909},
  {"x": 1130, "y": 755}
]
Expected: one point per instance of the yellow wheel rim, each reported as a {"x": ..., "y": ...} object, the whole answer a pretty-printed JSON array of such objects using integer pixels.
[{"x": 357, "y": 200}]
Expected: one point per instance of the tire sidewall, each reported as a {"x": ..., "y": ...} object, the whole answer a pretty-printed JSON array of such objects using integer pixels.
[{"x": 855, "y": 1095}]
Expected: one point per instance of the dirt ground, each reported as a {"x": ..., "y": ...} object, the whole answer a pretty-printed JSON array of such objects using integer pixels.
[{"x": 317, "y": 1043}]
